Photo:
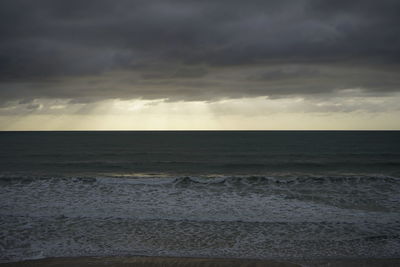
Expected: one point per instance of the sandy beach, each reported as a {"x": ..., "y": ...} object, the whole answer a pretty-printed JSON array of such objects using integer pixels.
[{"x": 196, "y": 262}]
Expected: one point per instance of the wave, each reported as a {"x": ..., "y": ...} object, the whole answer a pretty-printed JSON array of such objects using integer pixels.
[
  {"x": 215, "y": 198},
  {"x": 241, "y": 216},
  {"x": 250, "y": 180}
]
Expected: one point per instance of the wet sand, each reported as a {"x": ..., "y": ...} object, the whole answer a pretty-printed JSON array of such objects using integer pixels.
[{"x": 195, "y": 262}]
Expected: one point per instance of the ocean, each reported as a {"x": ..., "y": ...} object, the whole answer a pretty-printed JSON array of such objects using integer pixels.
[{"x": 223, "y": 194}]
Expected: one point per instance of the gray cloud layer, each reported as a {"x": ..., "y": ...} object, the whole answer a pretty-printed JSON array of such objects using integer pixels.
[{"x": 196, "y": 50}]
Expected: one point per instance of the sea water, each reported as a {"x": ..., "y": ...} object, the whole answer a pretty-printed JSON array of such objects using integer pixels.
[{"x": 261, "y": 194}]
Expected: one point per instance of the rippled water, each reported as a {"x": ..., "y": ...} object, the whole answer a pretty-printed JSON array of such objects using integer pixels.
[{"x": 238, "y": 194}]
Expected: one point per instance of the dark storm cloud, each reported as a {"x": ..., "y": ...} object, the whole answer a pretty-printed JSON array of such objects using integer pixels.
[{"x": 97, "y": 49}]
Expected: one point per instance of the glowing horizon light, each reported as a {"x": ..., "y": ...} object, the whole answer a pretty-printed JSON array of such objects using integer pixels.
[{"x": 259, "y": 113}]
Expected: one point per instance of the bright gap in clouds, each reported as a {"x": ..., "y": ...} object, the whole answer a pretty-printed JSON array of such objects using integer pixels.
[{"x": 260, "y": 113}]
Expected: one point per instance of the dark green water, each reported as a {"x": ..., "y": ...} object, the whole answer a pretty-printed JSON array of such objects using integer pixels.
[{"x": 201, "y": 153}]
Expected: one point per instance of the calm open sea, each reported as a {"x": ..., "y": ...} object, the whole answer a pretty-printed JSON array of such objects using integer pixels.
[{"x": 272, "y": 194}]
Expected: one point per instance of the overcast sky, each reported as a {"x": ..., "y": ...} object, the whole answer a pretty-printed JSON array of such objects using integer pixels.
[{"x": 69, "y": 60}]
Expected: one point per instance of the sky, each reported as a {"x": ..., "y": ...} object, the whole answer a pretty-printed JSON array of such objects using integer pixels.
[{"x": 199, "y": 65}]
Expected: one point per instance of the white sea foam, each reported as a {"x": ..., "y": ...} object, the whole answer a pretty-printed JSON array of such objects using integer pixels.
[{"x": 199, "y": 216}]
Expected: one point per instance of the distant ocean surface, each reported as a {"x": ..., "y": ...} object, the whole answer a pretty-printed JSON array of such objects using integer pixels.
[{"x": 262, "y": 194}]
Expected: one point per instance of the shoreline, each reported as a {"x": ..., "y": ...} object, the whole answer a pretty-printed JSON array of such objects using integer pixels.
[{"x": 143, "y": 261}]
